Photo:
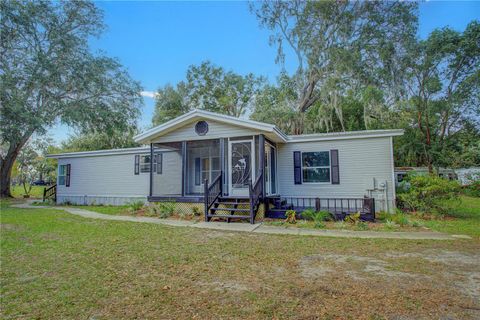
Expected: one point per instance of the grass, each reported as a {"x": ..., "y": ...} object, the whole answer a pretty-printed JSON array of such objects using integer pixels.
[
  {"x": 18, "y": 191},
  {"x": 463, "y": 219},
  {"x": 57, "y": 266}
]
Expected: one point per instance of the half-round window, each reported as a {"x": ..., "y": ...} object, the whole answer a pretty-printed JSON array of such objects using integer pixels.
[{"x": 201, "y": 128}]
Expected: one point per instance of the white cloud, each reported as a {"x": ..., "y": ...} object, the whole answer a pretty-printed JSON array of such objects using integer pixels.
[{"x": 148, "y": 94}]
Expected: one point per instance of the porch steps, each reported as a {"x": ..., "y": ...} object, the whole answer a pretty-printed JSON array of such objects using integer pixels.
[{"x": 230, "y": 208}]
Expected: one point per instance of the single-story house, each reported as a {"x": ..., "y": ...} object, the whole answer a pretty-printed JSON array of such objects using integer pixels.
[{"x": 233, "y": 168}]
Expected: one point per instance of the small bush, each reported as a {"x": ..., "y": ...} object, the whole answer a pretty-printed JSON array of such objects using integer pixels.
[
  {"x": 473, "y": 189},
  {"x": 291, "y": 216},
  {"x": 390, "y": 225},
  {"x": 135, "y": 206},
  {"x": 353, "y": 218},
  {"x": 196, "y": 211},
  {"x": 166, "y": 209},
  {"x": 400, "y": 218},
  {"x": 317, "y": 216},
  {"x": 362, "y": 226},
  {"x": 429, "y": 194},
  {"x": 382, "y": 215}
]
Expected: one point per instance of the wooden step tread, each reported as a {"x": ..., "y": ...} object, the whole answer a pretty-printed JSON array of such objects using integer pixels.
[{"x": 230, "y": 209}]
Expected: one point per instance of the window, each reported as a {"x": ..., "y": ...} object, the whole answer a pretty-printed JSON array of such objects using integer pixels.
[
  {"x": 62, "y": 174},
  {"x": 145, "y": 163},
  {"x": 316, "y": 167},
  {"x": 210, "y": 168}
]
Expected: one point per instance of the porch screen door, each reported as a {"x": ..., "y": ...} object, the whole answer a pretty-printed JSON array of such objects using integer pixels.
[{"x": 241, "y": 166}]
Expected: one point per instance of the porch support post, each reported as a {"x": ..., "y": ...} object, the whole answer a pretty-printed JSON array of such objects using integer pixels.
[
  {"x": 151, "y": 169},
  {"x": 261, "y": 150},
  {"x": 222, "y": 163},
  {"x": 184, "y": 166}
]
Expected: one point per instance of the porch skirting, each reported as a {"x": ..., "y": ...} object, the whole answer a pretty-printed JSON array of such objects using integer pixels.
[{"x": 113, "y": 200}]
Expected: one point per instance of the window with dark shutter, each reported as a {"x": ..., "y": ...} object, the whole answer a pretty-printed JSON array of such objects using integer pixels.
[
  {"x": 67, "y": 178},
  {"x": 335, "y": 167},
  {"x": 137, "y": 164},
  {"x": 197, "y": 171},
  {"x": 297, "y": 167}
]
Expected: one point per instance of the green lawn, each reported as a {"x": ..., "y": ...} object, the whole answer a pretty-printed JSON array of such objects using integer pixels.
[
  {"x": 18, "y": 191},
  {"x": 56, "y": 266},
  {"x": 464, "y": 218}
]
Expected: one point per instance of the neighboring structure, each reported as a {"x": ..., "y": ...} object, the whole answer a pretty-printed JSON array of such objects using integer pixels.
[
  {"x": 468, "y": 175},
  {"x": 401, "y": 172},
  {"x": 464, "y": 175},
  {"x": 244, "y": 167}
]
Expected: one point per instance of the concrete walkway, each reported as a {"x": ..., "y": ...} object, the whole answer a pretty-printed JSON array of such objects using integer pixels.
[{"x": 254, "y": 228}]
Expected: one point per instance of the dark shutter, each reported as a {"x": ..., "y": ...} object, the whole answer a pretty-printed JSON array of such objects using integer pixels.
[
  {"x": 297, "y": 167},
  {"x": 137, "y": 164},
  {"x": 335, "y": 167},
  {"x": 159, "y": 163},
  {"x": 67, "y": 179},
  {"x": 197, "y": 171}
]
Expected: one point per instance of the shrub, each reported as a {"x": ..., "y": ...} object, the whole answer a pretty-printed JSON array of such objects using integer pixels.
[
  {"x": 353, "y": 218},
  {"x": 390, "y": 225},
  {"x": 166, "y": 209},
  {"x": 135, "y": 206},
  {"x": 400, "y": 218},
  {"x": 196, "y": 211},
  {"x": 291, "y": 216},
  {"x": 429, "y": 194},
  {"x": 362, "y": 226},
  {"x": 473, "y": 189},
  {"x": 317, "y": 216}
]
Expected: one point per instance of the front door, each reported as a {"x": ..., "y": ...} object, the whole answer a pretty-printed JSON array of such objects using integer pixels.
[
  {"x": 270, "y": 169},
  {"x": 241, "y": 166}
]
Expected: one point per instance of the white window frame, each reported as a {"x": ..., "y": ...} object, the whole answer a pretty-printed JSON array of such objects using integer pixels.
[
  {"x": 320, "y": 167},
  {"x": 143, "y": 156},
  {"x": 64, "y": 175},
  {"x": 209, "y": 170}
]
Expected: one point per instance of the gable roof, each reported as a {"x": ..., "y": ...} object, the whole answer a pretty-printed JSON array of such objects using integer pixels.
[
  {"x": 197, "y": 114},
  {"x": 193, "y": 115}
]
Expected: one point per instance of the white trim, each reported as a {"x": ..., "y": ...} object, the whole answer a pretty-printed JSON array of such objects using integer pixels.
[
  {"x": 344, "y": 135},
  {"x": 252, "y": 145},
  {"x": 329, "y": 167},
  {"x": 101, "y": 152},
  {"x": 185, "y": 118}
]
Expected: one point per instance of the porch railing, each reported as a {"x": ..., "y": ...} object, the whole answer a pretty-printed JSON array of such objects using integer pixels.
[
  {"x": 50, "y": 192},
  {"x": 212, "y": 192},
  {"x": 340, "y": 207},
  {"x": 256, "y": 194}
]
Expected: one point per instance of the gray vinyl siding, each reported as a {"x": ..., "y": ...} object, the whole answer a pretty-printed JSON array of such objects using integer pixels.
[
  {"x": 360, "y": 160},
  {"x": 110, "y": 179},
  {"x": 216, "y": 130}
]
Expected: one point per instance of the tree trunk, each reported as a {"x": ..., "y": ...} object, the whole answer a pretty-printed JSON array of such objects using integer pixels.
[
  {"x": 6, "y": 166},
  {"x": 5, "y": 175}
]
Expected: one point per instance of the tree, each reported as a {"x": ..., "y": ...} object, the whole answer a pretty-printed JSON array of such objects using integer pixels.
[
  {"x": 48, "y": 75},
  {"x": 212, "y": 88},
  {"x": 170, "y": 103},
  {"x": 340, "y": 47},
  {"x": 444, "y": 88},
  {"x": 100, "y": 141},
  {"x": 207, "y": 87},
  {"x": 26, "y": 168}
]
